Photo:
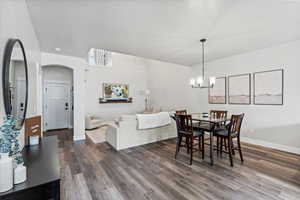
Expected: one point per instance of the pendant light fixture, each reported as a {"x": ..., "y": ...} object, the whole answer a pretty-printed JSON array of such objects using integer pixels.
[{"x": 199, "y": 82}]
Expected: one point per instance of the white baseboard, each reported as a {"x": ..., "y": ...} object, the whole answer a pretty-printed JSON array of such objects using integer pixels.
[
  {"x": 79, "y": 137},
  {"x": 281, "y": 147}
]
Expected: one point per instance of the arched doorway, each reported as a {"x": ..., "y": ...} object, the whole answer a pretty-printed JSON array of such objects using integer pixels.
[
  {"x": 58, "y": 99},
  {"x": 78, "y": 65}
]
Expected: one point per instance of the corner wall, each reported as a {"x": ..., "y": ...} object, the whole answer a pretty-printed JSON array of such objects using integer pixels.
[
  {"x": 273, "y": 126},
  {"x": 169, "y": 86}
]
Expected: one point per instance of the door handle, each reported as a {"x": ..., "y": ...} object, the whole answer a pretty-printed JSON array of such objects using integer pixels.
[{"x": 66, "y": 106}]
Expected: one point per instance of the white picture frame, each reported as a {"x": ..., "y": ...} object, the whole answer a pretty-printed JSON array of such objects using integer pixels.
[
  {"x": 239, "y": 89},
  {"x": 268, "y": 87}
]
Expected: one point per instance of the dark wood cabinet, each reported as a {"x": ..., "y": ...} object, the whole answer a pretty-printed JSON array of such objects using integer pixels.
[{"x": 43, "y": 173}]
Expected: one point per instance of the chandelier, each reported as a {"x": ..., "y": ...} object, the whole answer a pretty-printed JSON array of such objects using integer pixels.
[{"x": 199, "y": 82}]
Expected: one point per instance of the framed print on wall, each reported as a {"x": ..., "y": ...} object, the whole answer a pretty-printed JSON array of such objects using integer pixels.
[
  {"x": 115, "y": 91},
  {"x": 217, "y": 94},
  {"x": 239, "y": 89},
  {"x": 268, "y": 87}
]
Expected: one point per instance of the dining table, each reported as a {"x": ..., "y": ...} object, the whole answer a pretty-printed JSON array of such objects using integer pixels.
[{"x": 208, "y": 124}]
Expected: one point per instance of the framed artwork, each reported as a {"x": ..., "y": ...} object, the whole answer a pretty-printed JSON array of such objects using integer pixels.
[
  {"x": 268, "y": 87},
  {"x": 115, "y": 91},
  {"x": 239, "y": 89},
  {"x": 217, "y": 94}
]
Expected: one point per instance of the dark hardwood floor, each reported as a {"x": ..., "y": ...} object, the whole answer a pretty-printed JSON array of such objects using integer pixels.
[{"x": 92, "y": 171}]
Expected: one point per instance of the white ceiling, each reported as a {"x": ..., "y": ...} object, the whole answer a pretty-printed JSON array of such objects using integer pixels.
[{"x": 167, "y": 30}]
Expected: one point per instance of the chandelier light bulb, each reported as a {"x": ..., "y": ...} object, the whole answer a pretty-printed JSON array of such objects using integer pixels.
[
  {"x": 212, "y": 81},
  {"x": 192, "y": 82},
  {"x": 200, "y": 80}
]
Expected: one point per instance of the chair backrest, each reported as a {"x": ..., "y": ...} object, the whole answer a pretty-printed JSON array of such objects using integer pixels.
[
  {"x": 181, "y": 112},
  {"x": 184, "y": 124},
  {"x": 236, "y": 124},
  {"x": 219, "y": 114}
]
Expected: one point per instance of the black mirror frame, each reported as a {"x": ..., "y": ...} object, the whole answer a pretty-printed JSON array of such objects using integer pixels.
[{"x": 5, "y": 76}]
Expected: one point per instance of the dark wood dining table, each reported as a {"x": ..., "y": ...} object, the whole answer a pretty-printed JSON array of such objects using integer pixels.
[{"x": 208, "y": 124}]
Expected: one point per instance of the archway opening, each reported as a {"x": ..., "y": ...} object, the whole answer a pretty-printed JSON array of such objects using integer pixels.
[{"x": 58, "y": 100}]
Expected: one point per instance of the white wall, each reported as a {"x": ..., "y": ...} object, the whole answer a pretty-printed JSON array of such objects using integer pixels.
[
  {"x": 57, "y": 73},
  {"x": 276, "y": 126},
  {"x": 167, "y": 82},
  {"x": 16, "y": 23},
  {"x": 169, "y": 86},
  {"x": 126, "y": 70},
  {"x": 78, "y": 66}
]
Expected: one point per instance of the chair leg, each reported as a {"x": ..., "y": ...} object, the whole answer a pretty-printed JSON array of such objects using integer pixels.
[
  {"x": 225, "y": 144},
  {"x": 199, "y": 143},
  {"x": 240, "y": 149},
  {"x": 230, "y": 150},
  {"x": 178, "y": 144},
  {"x": 232, "y": 147},
  {"x": 191, "y": 150},
  {"x": 202, "y": 141},
  {"x": 218, "y": 145},
  {"x": 222, "y": 140},
  {"x": 187, "y": 141}
]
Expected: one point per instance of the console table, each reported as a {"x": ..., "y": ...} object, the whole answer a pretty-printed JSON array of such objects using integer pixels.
[{"x": 43, "y": 173}]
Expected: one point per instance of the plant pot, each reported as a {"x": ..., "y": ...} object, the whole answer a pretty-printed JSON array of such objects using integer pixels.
[
  {"x": 6, "y": 172},
  {"x": 20, "y": 174}
]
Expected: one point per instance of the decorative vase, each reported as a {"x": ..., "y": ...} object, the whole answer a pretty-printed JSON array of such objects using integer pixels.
[
  {"x": 6, "y": 172},
  {"x": 20, "y": 174}
]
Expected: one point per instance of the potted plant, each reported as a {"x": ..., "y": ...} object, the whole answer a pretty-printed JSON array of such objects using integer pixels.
[{"x": 6, "y": 162}]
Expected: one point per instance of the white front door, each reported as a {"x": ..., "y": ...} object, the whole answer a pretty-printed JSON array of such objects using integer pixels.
[{"x": 56, "y": 105}]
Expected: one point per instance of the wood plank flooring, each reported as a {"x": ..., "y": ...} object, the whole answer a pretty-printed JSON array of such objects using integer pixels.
[{"x": 92, "y": 171}]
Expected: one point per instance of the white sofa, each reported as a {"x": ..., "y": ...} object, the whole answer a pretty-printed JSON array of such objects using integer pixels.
[
  {"x": 125, "y": 134},
  {"x": 92, "y": 122}
]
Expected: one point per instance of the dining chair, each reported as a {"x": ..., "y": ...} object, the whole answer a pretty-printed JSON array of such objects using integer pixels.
[
  {"x": 231, "y": 132},
  {"x": 185, "y": 130},
  {"x": 209, "y": 127},
  {"x": 183, "y": 112},
  {"x": 219, "y": 114},
  {"x": 216, "y": 114}
]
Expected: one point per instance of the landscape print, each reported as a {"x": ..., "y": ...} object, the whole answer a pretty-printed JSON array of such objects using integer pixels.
[
  {"x": 239, "y": 89},
  {"x": 268, "y": 87},
  {"x": 217, "y": 94}
]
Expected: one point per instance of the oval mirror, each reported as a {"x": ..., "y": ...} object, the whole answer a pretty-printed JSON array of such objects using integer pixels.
[{"x": 15, "y": 81}]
